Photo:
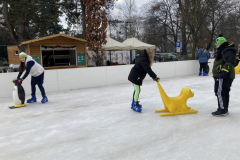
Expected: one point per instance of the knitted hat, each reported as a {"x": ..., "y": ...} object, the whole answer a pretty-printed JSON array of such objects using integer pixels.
[
  {"x": 22, "y": 54},
  {"x": 220, "y": 40}
]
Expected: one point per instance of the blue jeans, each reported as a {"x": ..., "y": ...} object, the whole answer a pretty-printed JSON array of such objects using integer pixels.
[{"x": 38, "y": 81}]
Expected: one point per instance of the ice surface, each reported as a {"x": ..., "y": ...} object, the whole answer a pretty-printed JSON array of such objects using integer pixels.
[{"x": 98, "y": 124}]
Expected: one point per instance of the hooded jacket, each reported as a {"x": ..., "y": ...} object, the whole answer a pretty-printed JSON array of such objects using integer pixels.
[
  {"x": 225, "y": 59},
  {"x": 140, "y": 69},
  {"x": 202, "y": 56}
]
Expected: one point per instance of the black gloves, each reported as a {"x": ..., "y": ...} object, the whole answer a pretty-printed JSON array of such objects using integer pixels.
[
  {"x": 156, "y": 79},
  {"x": 223, "y": 74}
]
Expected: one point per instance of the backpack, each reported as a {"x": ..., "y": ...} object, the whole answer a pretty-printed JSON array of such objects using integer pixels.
[{"x": 236, "y": 59}]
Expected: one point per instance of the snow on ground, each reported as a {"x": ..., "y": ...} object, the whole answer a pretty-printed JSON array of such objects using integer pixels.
[{"x": 98, "y": 124}]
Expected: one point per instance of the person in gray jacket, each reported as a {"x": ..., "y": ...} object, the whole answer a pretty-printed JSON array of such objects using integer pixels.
[{"x": 202, "y": 57}]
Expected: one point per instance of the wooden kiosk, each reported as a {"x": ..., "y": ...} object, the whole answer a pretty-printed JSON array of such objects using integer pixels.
[{"x": 64, "y": 52}]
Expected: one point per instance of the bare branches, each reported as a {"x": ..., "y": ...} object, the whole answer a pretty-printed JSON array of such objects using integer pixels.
[{"x": 166, "y": 14}]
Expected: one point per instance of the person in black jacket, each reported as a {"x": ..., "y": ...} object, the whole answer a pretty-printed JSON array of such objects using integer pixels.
[{"x": 138, "y": 73}]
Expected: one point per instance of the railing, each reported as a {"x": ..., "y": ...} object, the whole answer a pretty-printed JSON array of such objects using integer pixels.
[{"x": 79, "y": 78}]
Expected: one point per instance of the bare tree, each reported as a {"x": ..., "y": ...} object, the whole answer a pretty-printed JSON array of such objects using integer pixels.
[
  {"x": 230, "y": 27},
  {"x": 153, "y": 32},
  {"x": 183, "y": 27},
  {"x": 195, "y": 13},
  {"x": 132, "y": 20},
  {"x": 218, "y": 11},
  {"x": 165, "y": 13}
]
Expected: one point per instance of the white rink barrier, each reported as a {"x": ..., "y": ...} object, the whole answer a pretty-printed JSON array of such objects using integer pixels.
[{"x": 79, "y": 78}]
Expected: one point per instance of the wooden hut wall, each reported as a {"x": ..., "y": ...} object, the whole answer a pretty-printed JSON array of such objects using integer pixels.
[
  {"x": 33, "y": 48},
  {"x": 81, "y": 48},
  {"x": 34, "y": 51},
  {"x": 12, "y": 58}
]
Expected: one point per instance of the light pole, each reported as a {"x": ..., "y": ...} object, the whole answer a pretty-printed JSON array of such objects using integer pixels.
[
  {"x": 126, "y": 24},
  {"x": 113, "y": 22}
]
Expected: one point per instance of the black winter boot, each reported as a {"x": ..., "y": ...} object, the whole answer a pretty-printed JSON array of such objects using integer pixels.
[
  {"x": 213, "y": 113},
  {"x": 220, "y": 112}
]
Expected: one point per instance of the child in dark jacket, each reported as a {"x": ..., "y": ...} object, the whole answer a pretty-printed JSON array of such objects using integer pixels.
[
  {"x": 138, "y": 73},
  {"x": 223, "y": 74}
]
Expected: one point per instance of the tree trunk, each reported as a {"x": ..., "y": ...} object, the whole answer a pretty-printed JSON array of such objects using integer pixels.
[
  {"x": 184, "y": 39},
  {"x": 183, "y": 29},
  {"x": 211, "y": 40},
  {"x": 83, "y": 7},
  {"x": 165, "y": 38},
  {"x": 8, "y": 23},
  {"x": 212, "y": 32},
  {"x": 194, "y": 46},
  {"x": 23, "y": 34},
  {"x": 23, "y": 28}
]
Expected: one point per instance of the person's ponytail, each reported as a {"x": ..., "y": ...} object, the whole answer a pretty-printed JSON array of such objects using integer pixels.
[{"x": 22, "y": 67}]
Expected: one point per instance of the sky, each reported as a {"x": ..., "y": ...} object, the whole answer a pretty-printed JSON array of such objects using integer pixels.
[{"x": 139, "y": 3}]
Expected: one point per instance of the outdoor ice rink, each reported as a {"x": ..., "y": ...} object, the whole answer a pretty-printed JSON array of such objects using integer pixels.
[{"x": 98, "y": 124}]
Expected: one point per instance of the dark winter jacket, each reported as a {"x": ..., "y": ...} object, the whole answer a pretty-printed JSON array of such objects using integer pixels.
[
  {"x": 225, "y": 59},
  {"x": 140, "y": 69},
  {"x": 202, "y": 56}
]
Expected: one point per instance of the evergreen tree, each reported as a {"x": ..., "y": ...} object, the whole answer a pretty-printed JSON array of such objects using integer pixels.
[{"x": 29, "y": 19}]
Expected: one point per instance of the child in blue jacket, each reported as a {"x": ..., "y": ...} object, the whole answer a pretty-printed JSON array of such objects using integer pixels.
[{"x": 203, "y": 57}]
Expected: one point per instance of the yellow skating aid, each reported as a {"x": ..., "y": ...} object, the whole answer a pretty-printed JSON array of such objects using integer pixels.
[
  {"x": 237, "y": 68},
  {"x": 18, "y": 106},
  {"x": 175, "y": 105}
]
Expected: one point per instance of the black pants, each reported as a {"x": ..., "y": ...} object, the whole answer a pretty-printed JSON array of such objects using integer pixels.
[
  {"x": 38, "y": 81},
  {"x": 203, "y": 67},
  {"x": 222, "y": 88}
]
